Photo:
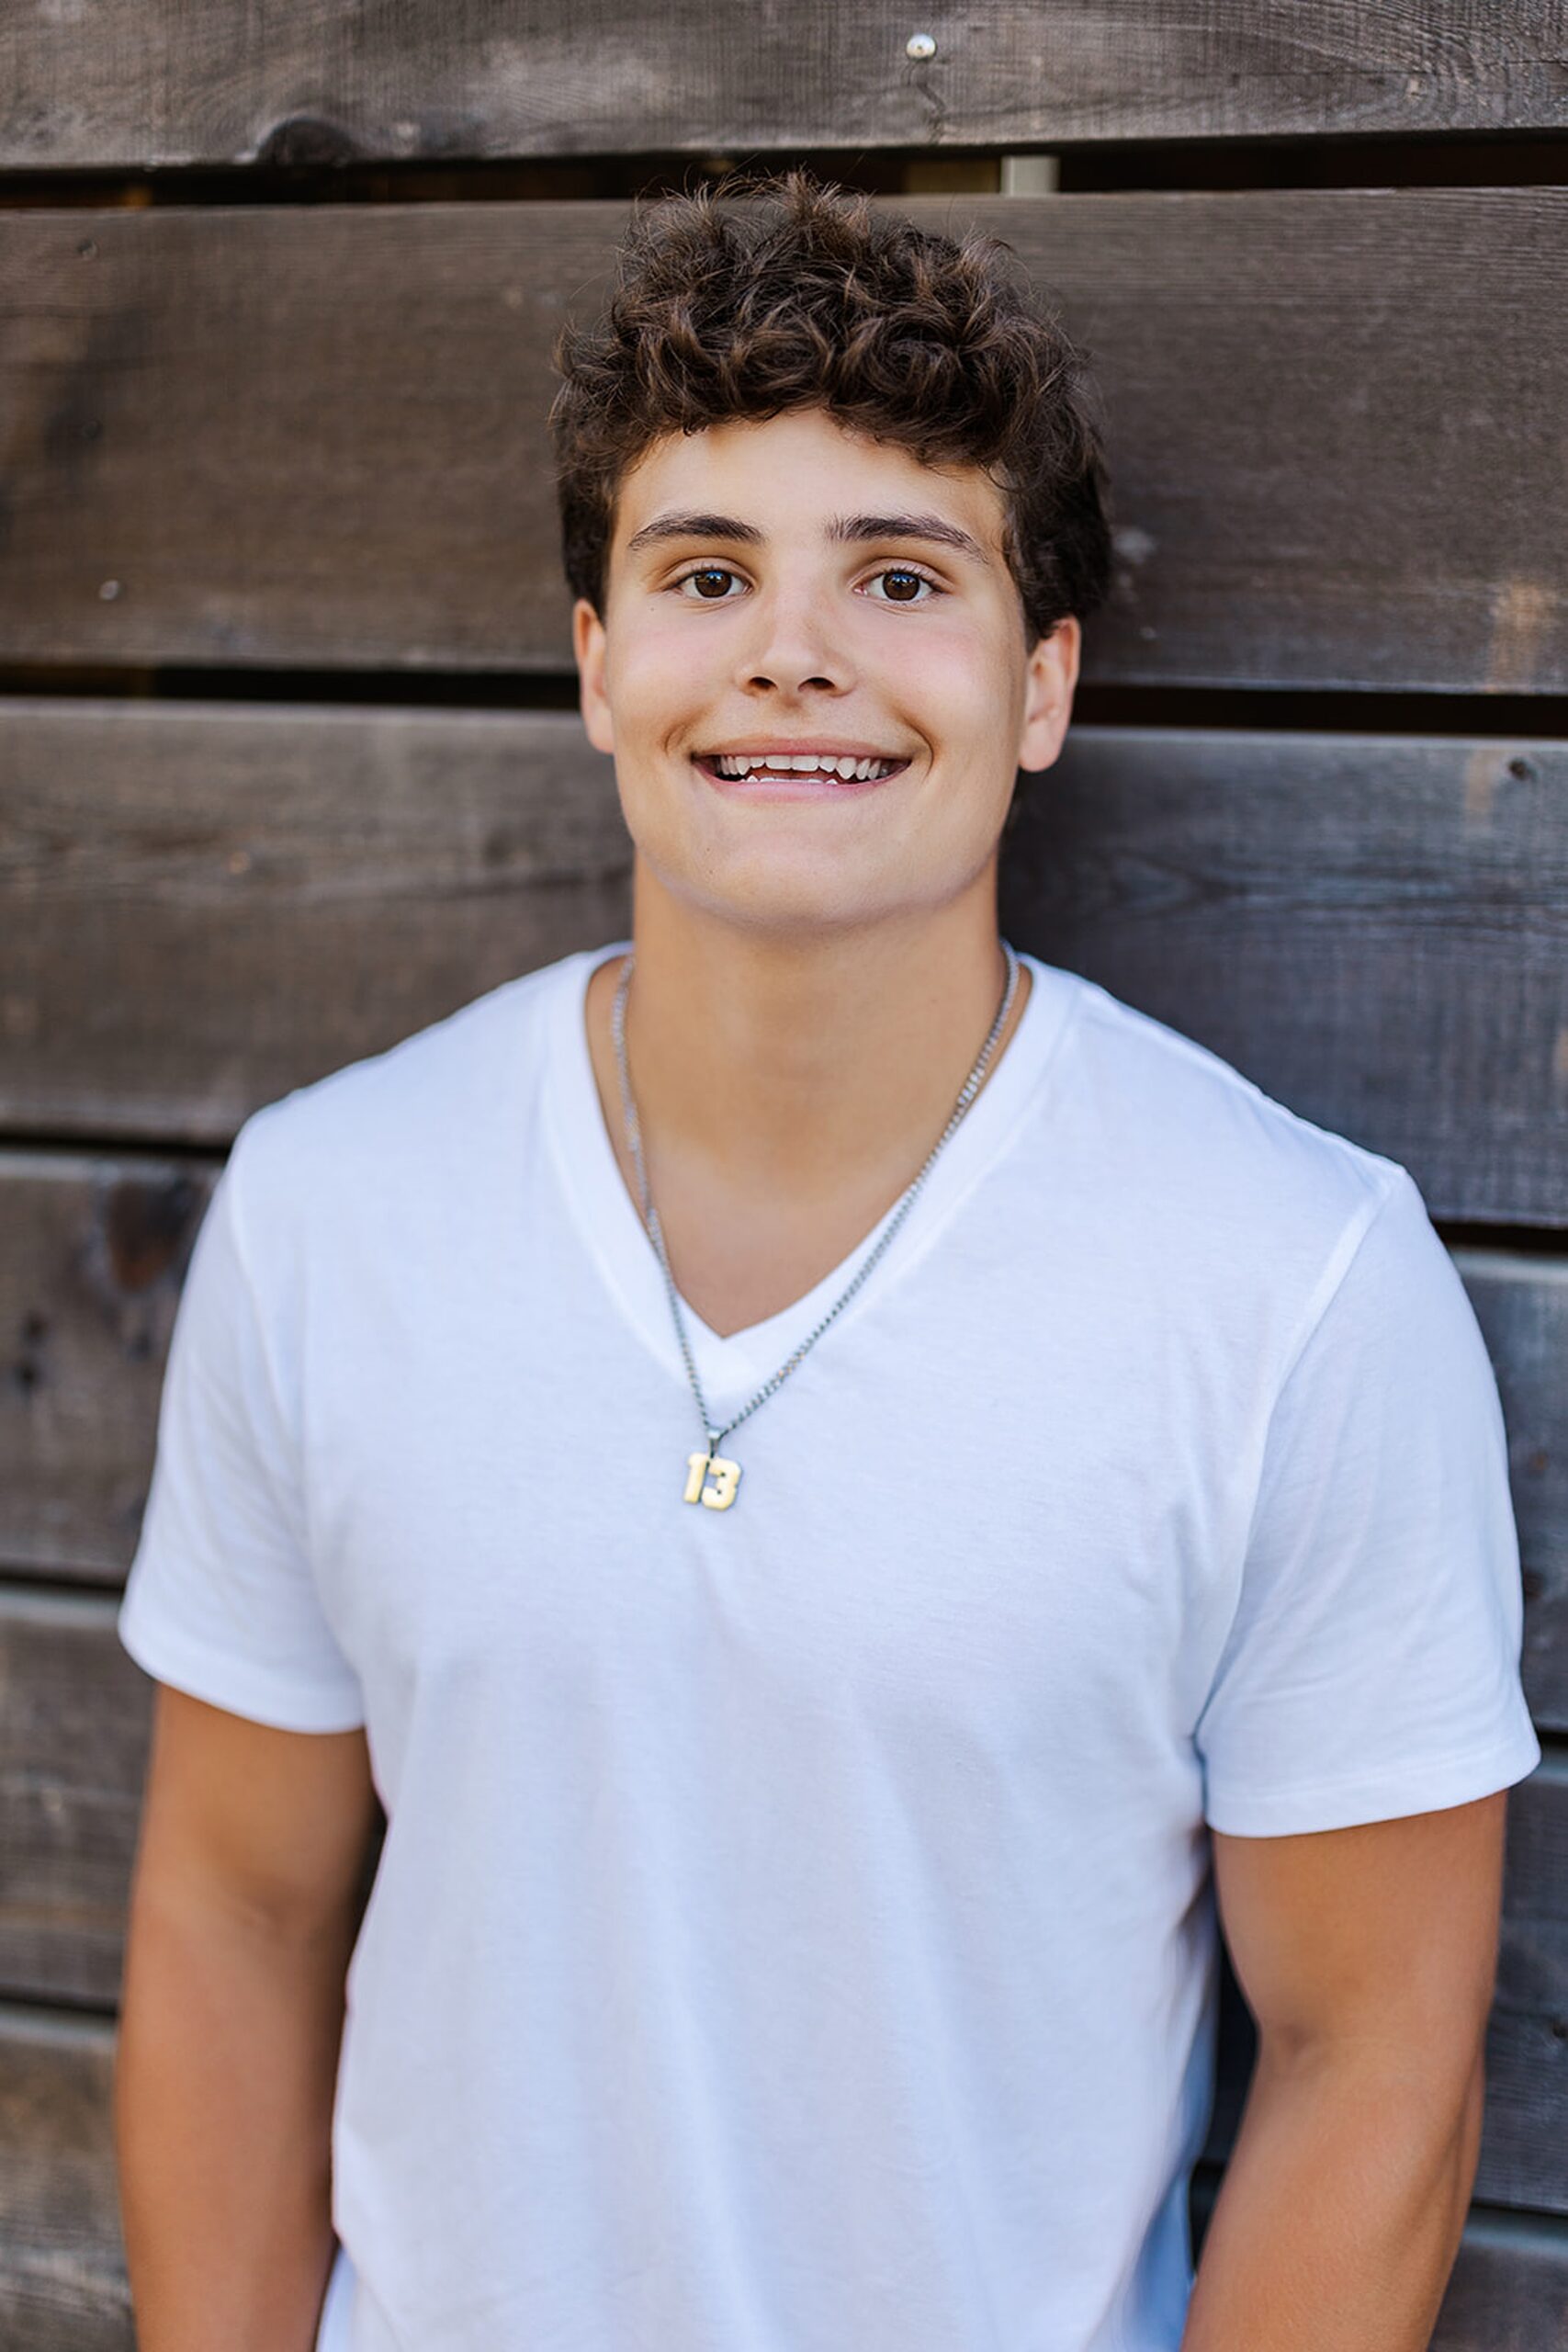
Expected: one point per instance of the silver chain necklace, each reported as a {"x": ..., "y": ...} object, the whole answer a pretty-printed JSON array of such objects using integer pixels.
[{"x": 711, "y": 1479}]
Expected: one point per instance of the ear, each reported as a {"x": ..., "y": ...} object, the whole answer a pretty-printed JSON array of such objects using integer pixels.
[
  {"x": 1049, "y": 680},
  {"x": 587, "y": 645}
]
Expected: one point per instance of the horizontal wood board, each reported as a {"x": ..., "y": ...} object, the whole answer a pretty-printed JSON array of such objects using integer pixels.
[
  {"x": 153, "y": 83},
  {"x": 62, "y": 2283},
  {"x": 1338, "y": 425},
  {"x": 75, "y": 1722},
  {"x": 203, "y": 905},
  {"x": 93, "y": 1254}
]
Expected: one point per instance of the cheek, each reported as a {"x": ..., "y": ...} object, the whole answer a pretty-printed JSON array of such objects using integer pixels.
[
  {"x": 659, "y": 677},
  {"x": 963, "y": 689}
]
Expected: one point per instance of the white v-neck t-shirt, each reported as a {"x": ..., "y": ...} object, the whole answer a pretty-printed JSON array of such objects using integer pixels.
[{"x": 795, "y": 1927}]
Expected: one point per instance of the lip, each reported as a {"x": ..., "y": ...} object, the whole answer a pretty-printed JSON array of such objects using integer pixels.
[
  {"x": 800, "y": 787},
  {"x": 821, "y": 747}
]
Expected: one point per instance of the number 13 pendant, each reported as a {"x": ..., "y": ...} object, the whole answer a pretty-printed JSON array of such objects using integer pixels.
[{"x": 711, "y": 1479}]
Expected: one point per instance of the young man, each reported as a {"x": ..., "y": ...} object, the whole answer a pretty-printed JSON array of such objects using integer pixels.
[{"x": 839, "y": 1483}]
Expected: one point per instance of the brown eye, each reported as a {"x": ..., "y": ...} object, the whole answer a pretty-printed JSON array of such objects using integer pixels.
[
  {"x": 711, "y": 583},
  {"x": 902, "y": 587}
]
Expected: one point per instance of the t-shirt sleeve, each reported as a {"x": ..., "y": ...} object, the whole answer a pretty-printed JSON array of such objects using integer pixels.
[
  {"x": 1372, "y": 1666},
  {"x": 221, "y": 1600}
]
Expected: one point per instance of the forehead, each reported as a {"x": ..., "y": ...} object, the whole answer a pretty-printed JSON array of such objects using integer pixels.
[{"x": 791, "y": 475}]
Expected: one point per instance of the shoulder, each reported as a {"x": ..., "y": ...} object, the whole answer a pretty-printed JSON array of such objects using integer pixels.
[
  {"x": 413, "y": 1116},
  {"x": 1204, "y": 1164}
]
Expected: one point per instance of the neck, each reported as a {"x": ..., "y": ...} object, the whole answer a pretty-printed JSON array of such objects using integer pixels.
[{"x": 793, "y": 1068}]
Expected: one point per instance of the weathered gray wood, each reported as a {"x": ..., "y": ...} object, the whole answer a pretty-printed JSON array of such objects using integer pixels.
[
  {"x": 203, "y": 905},
  {"x": 1320, "y": 477},
  {"x": 315, "y": 436},
  {"x": 62, "y": 2283},
  {"x": 1375, "y": 929},
  {"x": 75, "y": 1722},
  {"x": 1524, "y": 2149},
  {"x": 143, "y": 83},
  {"x": 92, "y": 1252}
]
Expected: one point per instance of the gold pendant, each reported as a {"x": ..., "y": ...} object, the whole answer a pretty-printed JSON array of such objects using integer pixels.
[{"x": 711, "y": 1479}]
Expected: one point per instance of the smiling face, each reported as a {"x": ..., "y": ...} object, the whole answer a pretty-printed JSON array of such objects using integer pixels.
[{"x": 793, "y": 591}]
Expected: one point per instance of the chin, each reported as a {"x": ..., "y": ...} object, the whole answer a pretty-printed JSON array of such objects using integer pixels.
[{"x": 793, "y": 900}]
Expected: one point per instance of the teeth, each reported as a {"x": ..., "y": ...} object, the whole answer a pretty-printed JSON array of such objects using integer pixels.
[{"x": 847, "y": 768}]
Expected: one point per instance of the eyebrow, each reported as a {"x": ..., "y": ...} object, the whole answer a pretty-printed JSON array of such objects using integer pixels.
[
  {"x": 694, "y": 526},
  {"x": 906, "y": 526},
  {"x": 851, "y": 528}
]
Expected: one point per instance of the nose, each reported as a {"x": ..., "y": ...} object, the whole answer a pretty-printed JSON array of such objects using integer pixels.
[{"x": 789, "y": 649}]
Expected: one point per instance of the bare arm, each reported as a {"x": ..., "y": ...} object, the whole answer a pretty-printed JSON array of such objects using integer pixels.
[
  {"x": 243, "y": 1912},
  {"x": 1367, "y": 1956}
]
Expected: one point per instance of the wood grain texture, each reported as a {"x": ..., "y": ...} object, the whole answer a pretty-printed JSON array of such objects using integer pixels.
[
  {"x": 93, "y": 1253},
  {"x": 62, "y": 2283},
  {"x": 158, "y": 84},
  {"x": 1320, "y": 476},
  {"x": 1523, "y": 2148},
  {"x": 75, "y": 1720},
  {"x": 202, "y": 905},
  {"x": 1337, "y": 422}
]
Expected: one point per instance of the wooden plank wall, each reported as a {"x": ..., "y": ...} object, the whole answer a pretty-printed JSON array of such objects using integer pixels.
[{"x": 288, "y": 767}]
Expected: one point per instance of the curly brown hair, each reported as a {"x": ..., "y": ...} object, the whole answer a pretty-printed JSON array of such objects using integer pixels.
[{"x": 788, "y": 292}]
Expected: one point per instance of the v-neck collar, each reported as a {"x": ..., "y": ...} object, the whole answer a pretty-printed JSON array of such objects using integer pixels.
[{"x": 616, "y": 1238}]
